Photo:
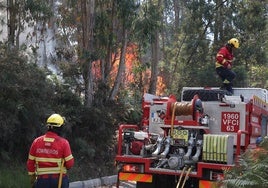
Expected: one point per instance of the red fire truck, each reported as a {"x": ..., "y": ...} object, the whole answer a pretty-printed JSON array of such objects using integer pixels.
[{"x": 189, "y": 143}]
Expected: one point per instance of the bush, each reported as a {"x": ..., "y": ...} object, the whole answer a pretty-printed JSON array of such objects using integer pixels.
[{"x": 13, "y": 176}]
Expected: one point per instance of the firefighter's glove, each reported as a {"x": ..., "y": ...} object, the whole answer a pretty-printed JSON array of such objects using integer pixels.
[
  {"x": 227, "y": 65},
  {"x": 32, "y": 180}
]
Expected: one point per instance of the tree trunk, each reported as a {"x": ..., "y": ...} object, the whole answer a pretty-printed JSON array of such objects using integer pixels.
[
  {"x": 155, "y": 59},
  {"x": 177, "y": 11},
  {"x": 221, "y": 20},
  {"x": 154, "y": 64},
  {"x": 87, "y": 7},
  {"x": 216, "y": 25},
  {"x": 108, "y": 58},
  {"x": 121, "y": 68},
  {"x": 11, "y": 19}
]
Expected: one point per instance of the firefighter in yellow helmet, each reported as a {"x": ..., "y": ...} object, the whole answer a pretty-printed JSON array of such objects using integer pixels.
[
  {"x": 224, "y": 63},
  {"x": 50, "y": 157}
]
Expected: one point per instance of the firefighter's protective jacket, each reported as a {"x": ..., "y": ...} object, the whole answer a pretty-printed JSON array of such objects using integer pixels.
[
  {"x": 47, "y": 153},
  {"x": 224, "y": 57}
]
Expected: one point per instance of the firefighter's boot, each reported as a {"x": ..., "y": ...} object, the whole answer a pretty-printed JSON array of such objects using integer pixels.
[
  {"x": 229, "y": 88},
  {"x": 223, "y": 87},
  {"x": 227, "y": 85}
]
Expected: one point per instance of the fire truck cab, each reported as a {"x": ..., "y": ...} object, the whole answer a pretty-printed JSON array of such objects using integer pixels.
[{"x": 189, "y": 143}]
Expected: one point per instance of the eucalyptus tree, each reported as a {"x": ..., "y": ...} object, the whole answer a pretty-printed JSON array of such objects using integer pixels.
[
  {"x": 195, "y": 59},
  {"x": 76, "y": 52},
  {"x": 186, "y": 28},
  {"x": 126, "y": 14},
  {"x": 155, "y": 48},
  {"x": 25, "y": 24},
  {"x": 86, "y": 45},
  {"x": 147, "y": 29},
  {"x": 101, "y": 31},
  {"x": 205, "y": 26},
  {"x": 247, "y": 21},
  {"x": 251, "y": 23}
]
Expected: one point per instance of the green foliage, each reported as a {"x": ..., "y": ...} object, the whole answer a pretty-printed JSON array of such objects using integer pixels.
[
  {"x": 39, "y": 9},
  {"x": 84, "y": 149},
  {"x": 258, "y": 73},
  {"x": 127, "y": 11},
  {"x": 241, "y": 76},
  {"x": 251, "y": 169},
  {"x": 132, "y": 103},
  {"x": 252, "y": 27},
  {"x": 93, "y": 140},
  {"x": 205, "y": 27},
  {"x": 21, "y": 100},
  {"x": 13, "y": 175},
  {"x": 147, "y": 23}
]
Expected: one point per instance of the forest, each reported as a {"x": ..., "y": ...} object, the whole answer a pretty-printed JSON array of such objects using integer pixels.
[{"x": 92, "y": 60}]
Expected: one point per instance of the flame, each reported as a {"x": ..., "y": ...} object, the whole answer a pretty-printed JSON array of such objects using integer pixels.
[{"x": 129, "y": 78}]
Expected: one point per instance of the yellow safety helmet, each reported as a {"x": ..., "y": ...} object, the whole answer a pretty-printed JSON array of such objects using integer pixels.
[
  {"x": 55, "y": 120},
  {"x": 234, "y": 42}
]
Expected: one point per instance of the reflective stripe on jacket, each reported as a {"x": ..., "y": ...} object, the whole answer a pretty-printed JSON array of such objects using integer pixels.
[{"x": 46, "y": 155}]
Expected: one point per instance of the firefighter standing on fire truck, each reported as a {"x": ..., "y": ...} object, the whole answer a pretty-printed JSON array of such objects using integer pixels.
[
  {"x": 50, "y": 156},
  {"x": 223, "y": 64}
]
